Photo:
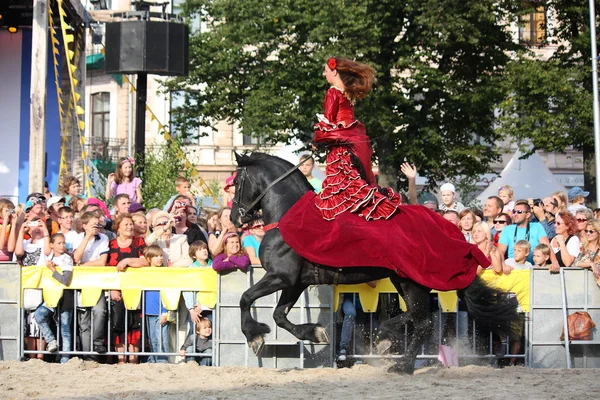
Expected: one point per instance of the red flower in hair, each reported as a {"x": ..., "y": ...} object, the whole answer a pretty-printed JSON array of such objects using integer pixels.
[{"x": 332, "y": 64}]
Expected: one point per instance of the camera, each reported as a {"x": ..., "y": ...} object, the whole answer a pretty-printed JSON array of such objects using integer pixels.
[
  {"x": 10, "y": 211},
  {"x": 162, "y": 223},
  {"x": 179, "y": 204},
  {"x": 33, "y": 224},
  {"x": 177, "y": 219},
  {"x": 99, "y": 226}
]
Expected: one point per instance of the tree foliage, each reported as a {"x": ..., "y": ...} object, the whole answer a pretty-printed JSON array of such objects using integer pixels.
[{"x": 439, "y": 65}]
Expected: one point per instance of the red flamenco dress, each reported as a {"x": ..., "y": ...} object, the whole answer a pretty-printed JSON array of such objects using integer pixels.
[{"x": 344, "y": 189}]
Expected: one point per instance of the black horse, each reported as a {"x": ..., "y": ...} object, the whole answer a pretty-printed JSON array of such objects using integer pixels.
[{"x": 273, "y": 185}]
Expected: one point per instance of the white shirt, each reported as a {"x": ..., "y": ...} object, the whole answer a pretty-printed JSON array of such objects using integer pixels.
[
  {"x": 34, "y": 252},
  {"x": 64, "y": 261},
  {"x": 95, "y": 247},
  {"x": 573, "y": 246},
  {"x": 511, "y": 262},
  {"x": 71, "y": 238}
]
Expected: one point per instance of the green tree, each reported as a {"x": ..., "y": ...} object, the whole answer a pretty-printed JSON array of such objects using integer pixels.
[
  {"x": 549, "y": 105},
  {"x": 439, "y": 65},
  {"x": 163, "y": 164}
]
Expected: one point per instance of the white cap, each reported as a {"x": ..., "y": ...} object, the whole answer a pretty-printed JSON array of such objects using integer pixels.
[
  {"x": 55, "y": 199},
  {"x": 448, "y": 186}
]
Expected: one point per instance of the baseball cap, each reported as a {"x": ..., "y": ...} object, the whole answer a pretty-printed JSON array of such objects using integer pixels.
[
  {"x": 135, "y": 207},
  {"x": 229, "y": 182},
  {"x": 577, "y": 191},
  {"x": 448, "y": 186},
  {"x": 55, "y": 199}
]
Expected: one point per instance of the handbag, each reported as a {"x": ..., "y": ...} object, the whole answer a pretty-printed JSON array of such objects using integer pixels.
[
  {"x": 580, "y": 326},
  {"x": 32, "y": 298},
  {"x": 117, "y": 315}
]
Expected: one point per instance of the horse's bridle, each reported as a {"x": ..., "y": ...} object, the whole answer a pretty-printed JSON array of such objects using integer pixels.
[{"x": 243, "y": 174}]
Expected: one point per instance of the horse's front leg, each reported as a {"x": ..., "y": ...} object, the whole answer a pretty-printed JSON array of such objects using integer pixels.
[
  {"x": 255, "y": 331},
  {"x": 313, "y": 332}
]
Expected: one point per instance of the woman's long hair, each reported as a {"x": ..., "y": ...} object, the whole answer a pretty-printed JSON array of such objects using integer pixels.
[
  {"x": 119, "y": 177},
  {"x": 358, "y": 78},
  {"x": 569, "y": 221},
  {"x": 595, "y": 225}
]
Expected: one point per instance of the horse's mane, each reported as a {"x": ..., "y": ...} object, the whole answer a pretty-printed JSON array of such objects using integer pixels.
[{"x": 264, "y": 160}]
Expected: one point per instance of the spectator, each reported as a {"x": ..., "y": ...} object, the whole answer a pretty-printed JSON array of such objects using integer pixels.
[
  {"x": 193, "y": 214},
  {"x": 522, "y": 228},
  {"x": 47, "y": 193},
  {"x": 596, "y": 213},
  {"x": 545, "y": 213},
  {"x": 136, "y": 207},
  {"x": 140, "y": 224},
  {"x": 251, "y": 242},
  {"x": 71, "y": 187},
  {"x": 8, "y": 235},
  {"x": 589, "y": 256},
  {"x": 66, "y": 216},
  {"x": 229, "y": 190},
  {"x": 410, "y": 171},
  {"x": 500, "y": 222},
  {"x": 482, "y": 237},
  {"x": 202, "y": 343},
  {"x": 451, "y": 216},
  {"x": 306, "y": 167},
  {"x": 230, "y": 256},
  {"x": 91, "y": 250},
  {"x": 583, "y": 216},
  {"x": 199, "y": 254},
  {"x": 491, "y": 209},
  {"x": 448, "y": 192},
  {"x": 155, "y": 313},
  {"x": 506, "y": 194},
  {"x": 121, "y": 204},
  {"x": 35, "y": 207},
  {"x": 182, "y": 186},
  {"x": 182, "y": 226},
  {"x": 124, "y": 181},
  {"x": 467, "y": 220},
  {"x": 94, "y": 203},
  {"x": 175, "y": 247},
  {"x": 102, "y": 225},
  {"x": 59, "y": 258},
  {"x": 561, "y": 200},
  {"x": 125, "y": 251},
  {"x": 576, "y": 197},
  {"x": 212, "y": 223},
  {"x": 541, "y": 255},
  {"x": 224, "y": 226},
  {"x": 519, "y": 260},
  {"x": 565, "y": 244},
  {"x": 150, "y": 217},
  {"x": 53, "y": 204}
]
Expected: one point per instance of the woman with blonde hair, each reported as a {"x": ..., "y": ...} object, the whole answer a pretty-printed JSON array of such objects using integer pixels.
[
  {"x": 8, "y": 237},
  {"x": 589, "y": 255},
  {"x": 561, "y": 199},
  {"x": 482, "y": 237}
]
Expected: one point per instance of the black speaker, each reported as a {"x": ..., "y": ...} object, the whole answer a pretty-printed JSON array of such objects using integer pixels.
[{"x": 154, "y": 47}]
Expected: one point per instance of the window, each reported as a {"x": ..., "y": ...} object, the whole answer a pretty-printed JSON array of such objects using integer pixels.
[
  {"x": 177, "y": 9},
  {"x": 249, "y": 140},
  {"x": 532, "y": 27},
  {"x": 101, "y": 115}
]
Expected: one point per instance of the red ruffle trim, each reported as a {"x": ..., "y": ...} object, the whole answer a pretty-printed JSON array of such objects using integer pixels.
[
  {"x": 344, "y": 190},
  {"x": 329, "y": 127}
]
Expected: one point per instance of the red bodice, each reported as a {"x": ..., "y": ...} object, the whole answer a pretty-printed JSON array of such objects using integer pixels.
[{"x": 337, "y": 108}]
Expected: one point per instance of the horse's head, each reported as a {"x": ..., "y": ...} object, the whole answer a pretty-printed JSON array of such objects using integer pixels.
[
  {"x": 265, "y": 181},
  {"x": 246, "y": 191}
]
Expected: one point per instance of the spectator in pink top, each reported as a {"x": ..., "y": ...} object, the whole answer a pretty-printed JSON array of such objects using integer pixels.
[
  {"x": 124, "y": 181},
  {"x": 231, "y": 255}
]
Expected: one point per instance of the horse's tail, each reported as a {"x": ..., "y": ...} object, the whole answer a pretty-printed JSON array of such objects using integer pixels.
[{"x": 491, "y": 308}]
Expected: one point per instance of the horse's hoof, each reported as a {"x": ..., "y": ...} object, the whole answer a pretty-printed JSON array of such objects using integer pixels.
[
  {"x": 402, "y": 367},
  {"x": 257, "y": 345},
  {"x": 321, "y": 335},
  {"x": 384, "y": 346}
]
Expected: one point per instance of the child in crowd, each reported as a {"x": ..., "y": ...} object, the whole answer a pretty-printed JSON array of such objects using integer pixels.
[
  {"x": 251, "y": 242},
  {"x": 71, "y": 187},
  {"x": 32, "y": 251},
  {"x": 124, "y": 181},
  {"x": 58, "y": 258},
  {"x": 307, "y": 166},
  {"x": 199, "y": 253},
  {"x": 506, "y": 194},
  {"x": 154, "y": 312},
  {"x": 66, "y": 218},
  {"x": 140, "y": 224},
  {"x": 182, "y": 186},
  {"x": 448, "y": 192},
  {"x": 230, "y": 255},
  {"x": 202, "y": 343},
  {"x": 519, "y": 259},
  {"x": 541, "y": 255}
]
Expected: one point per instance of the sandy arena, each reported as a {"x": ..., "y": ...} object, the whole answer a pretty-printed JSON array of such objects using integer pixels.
[{"x": 88, "y": 380}]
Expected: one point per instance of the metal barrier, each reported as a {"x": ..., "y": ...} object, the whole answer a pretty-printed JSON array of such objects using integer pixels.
[
  {"x": 579, "y": 292},
  {"x": 11, "y": 332},
  {"x": 282, "y": 349}
]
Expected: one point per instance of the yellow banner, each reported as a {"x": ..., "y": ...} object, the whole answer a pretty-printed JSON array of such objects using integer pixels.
[
  {"x": 517, "y": 282},
  {"x": 93, "y": 280}
]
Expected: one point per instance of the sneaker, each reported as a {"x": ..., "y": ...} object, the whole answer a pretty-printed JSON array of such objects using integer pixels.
[
  {"x": 52, "y": 347},
  {"x": 342, "y": 355}
]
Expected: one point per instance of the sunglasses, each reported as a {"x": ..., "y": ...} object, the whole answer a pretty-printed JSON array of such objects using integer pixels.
[
  {"x": 581, "y": 219},
  {"x": 500, "y": 221},
  {"x": 520, "y": 211},
  {"x": 590, "y": 231},
  {"x": 558, "y": 223}
]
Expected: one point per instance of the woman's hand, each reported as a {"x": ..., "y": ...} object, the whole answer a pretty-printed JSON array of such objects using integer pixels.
[
  {"x": 560, "y": 240},
  {"x": 554, "y": 268},
  {"x": 595, "y": 271},
  {"x": 110, "y": 179},
  {"x": 115, "y": 295},
  {"x": 506, "y": 269},
  {"x": 194, "y": 315},
  {"x": 163, "y": 319},
  {"x": 122, "y": 265},
  {"x": 182, "y": 353}
]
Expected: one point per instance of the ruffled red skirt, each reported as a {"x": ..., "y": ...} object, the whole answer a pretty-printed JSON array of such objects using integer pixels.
[{"x": 344, "y": 190}]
